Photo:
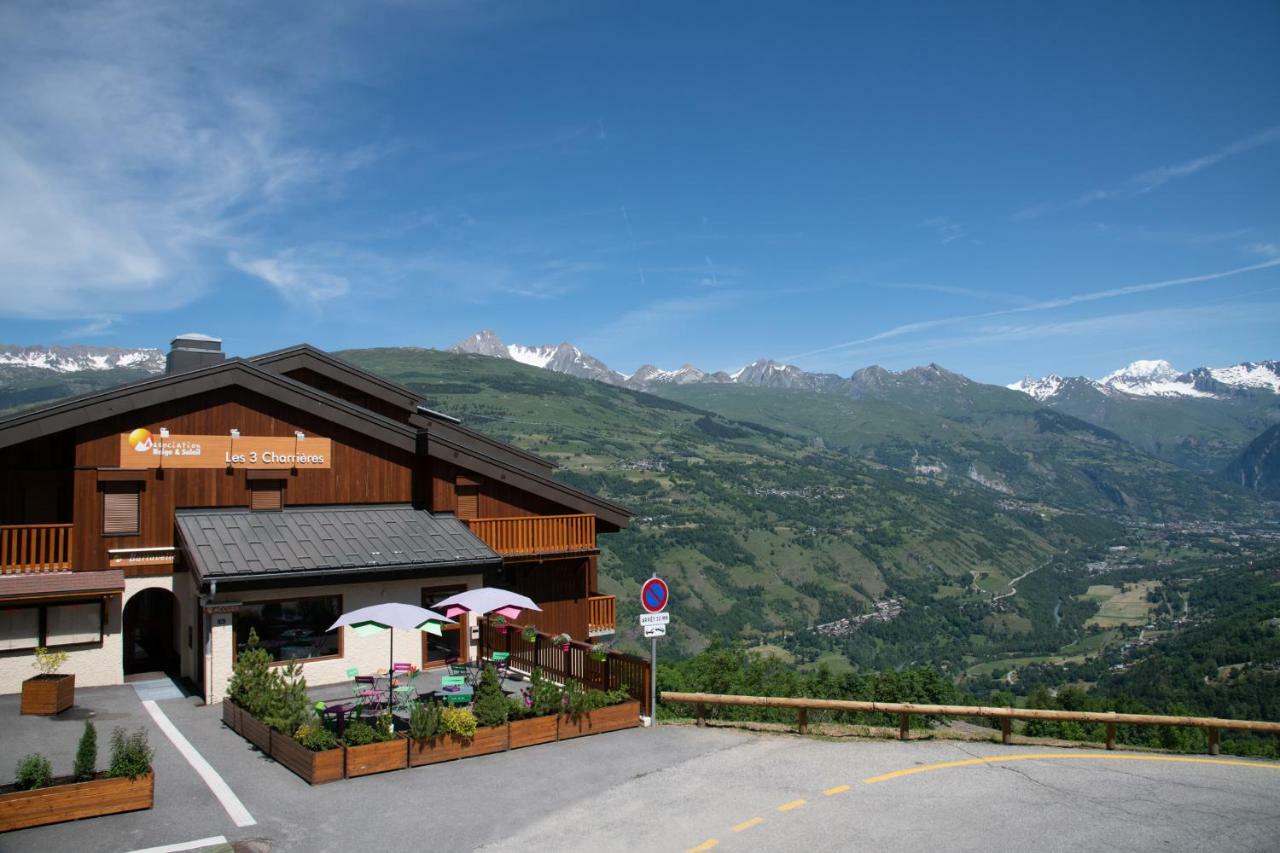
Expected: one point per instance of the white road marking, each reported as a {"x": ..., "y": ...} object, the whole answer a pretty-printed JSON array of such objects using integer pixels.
[
  {"x": 187, "y": 845},
  {"x": 239, "y": 814}
]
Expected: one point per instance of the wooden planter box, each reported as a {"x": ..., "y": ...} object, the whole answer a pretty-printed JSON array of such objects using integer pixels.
[
  {"x": 487, "y": 740},
  {"x": 433, "y": 750},
  {"x": 255, "y": 731},
  {"x": 316, "y": 768},
  {"x": 231, "y": 715},
  {"x": 532, "y": 731},
  {"x": 74, "y": 801},
  {"x": 624, "y": 716},
  {"x": 377, "y": 757},
  {"x": 48, "y": 694}
]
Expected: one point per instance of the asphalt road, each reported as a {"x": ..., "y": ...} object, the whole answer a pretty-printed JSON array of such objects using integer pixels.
[{"x": 681, "y": 788}]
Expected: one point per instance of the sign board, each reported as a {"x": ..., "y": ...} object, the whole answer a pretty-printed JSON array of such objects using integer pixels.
[
  {"x": 655, "y": 630},
  {"x": 647, "y": 619},
  {"x": 654, "y": 595},
  {"x": 145, "y": 449}
]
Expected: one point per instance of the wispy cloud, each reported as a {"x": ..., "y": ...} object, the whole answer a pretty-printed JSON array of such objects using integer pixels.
[
  {"x": 136, "y": 138},
  {"x": 298, "y": 280},
  {"x": 944, "y": 228},
  {"x": 1153, "y": 179},
  {"x": 1044, "y": 305}
]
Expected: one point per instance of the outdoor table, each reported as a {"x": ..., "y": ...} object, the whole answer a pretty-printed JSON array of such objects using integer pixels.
[
  {"x": 339, "y": 711},
  {"x": 460, "y": 696}
]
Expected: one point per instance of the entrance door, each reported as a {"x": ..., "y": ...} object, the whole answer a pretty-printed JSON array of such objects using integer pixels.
[
  {"x": 149, "y": 633},
  {"x": 453, "y": 640}
]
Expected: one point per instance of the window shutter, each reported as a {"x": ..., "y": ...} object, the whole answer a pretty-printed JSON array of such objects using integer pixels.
[
  {"x": 120, "y": 509},
  {"x": 267, "y": 495},
  {"x": 468, "y": 501}
]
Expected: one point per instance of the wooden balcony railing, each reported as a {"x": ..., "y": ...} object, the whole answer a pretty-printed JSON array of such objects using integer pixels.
[
  {"x": 602, "y": 615},
  {"x": 34, "y": 548},
  {"x": 536, "y": 534}
]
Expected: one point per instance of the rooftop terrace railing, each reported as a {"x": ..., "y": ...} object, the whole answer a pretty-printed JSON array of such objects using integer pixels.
[
  {"x": 905, "y": 711},
  {"x": 26, "y": 548}
]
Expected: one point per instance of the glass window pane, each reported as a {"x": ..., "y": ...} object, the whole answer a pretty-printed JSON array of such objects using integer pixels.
[
  {"x": 294, "y": 629},
  {"x": 73, "y": 623},
  {"x": 19, "y": 628}
]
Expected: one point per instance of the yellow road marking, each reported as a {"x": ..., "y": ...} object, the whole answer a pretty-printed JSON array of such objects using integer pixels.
[
  {"x": 838, "y": 789},
  {"x": 970, "y": 762},
  {"x": 706, "y": 845},
  {"x": 794, "y": 804},
  {"x": 747, "y": 824}
]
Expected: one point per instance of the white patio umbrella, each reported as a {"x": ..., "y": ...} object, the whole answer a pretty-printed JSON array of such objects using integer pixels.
[
  {"x": 487, "y": 599},
  {"x": 384, "y": 617}
]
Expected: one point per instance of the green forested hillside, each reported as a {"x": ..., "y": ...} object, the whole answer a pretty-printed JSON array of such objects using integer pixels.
[
  {"x": 761, "y": 531},
  {"x": 22, "y": 387}
]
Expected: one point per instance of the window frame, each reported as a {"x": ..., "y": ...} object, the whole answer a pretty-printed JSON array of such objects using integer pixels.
[
  {"x": 42, "y": 622},
  {"x": 342, "y": 648}
]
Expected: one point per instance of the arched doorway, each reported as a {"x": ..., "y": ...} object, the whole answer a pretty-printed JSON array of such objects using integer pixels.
[{"x": 149, "y": 627}]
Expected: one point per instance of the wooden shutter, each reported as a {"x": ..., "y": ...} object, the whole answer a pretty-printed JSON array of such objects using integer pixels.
[
  {"x": 120, "y": 509},
  {"x": 266, "y": 495},
  {"x": 468, "y": 501}
]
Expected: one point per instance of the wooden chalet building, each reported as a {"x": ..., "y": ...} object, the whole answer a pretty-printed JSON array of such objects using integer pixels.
[{"x": 150, "y": 527}]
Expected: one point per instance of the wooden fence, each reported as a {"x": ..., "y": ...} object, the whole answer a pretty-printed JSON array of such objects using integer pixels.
[
  {"x": 617, "y": 670},
  {"x": 905, "y": 711},
  {"x": 536, "y": 534},
  {"x": 34, "y": 548}
]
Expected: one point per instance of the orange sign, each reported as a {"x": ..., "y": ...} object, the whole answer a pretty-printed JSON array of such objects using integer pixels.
[{"x": 145, "y": 449}]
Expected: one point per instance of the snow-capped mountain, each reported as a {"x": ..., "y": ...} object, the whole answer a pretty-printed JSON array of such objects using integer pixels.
[
  {"x": 649, "y": 375},
  {"x": 559, "y": 358},
  {"x": 1159, "y": 378},
  {"x": 70, "y": 359}
]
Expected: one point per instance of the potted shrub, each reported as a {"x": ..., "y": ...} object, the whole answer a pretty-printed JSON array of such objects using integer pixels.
[
  {"x": 249, "y": 692},
  {"x": 463, "y": 733},
  {"x": 427, "y": 742},
  {"x": 563, "y": 641},
  {"x": 374, "y": 748},
  {"x": 48, "y": 692},
  {"x": 530, "y": 633},
  {"x": 500, "y": 622},
  {"x": 314, "y": 753},
  {"x": 599, "y": 652},
  {"x": 590, "y": 712},
  {"x": 37, "y": 798}
]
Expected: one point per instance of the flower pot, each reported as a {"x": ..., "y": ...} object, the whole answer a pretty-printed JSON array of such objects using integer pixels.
[
  {"x": 610, "y": 719},
  {"x": 255, "y": 731},
  {"x": 564, "y": 647},
  {"x": 316, "y": 768},
  {"x": 486, "y": 740},
  {"x": 75, "y": 800},
  {"x": 48, "y": 694},
  {"x": 377, "y": 757},
  {"x": 231, "y": 715},
  {"x": 533, "y": 730}
]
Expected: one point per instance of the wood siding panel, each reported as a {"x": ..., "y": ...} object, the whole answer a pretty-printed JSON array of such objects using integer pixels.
[{"x": 363, "y": 470}]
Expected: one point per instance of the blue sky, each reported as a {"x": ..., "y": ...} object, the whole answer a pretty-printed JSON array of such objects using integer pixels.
[{"x": 1017, "y": 191}]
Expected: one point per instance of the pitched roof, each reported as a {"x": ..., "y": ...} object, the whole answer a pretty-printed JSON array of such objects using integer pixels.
[
  {"x": 325, "y": 540},
  {"x": 237, "y": 372},
  {"x": 53, "y": 585}
]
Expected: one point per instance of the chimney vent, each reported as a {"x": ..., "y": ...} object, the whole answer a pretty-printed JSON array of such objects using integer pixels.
[{"x": 193, "y": 351}]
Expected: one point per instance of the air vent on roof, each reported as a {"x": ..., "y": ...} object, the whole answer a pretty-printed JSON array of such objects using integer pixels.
[{"x": 193, "y": 351}]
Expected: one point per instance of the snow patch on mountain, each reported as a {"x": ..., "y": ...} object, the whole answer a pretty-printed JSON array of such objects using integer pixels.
[
  {"x": 1041, "y": 389},
  {"x": 71, "y": 359},
  {"x": 1250, "y": 374},
  {"x": 534, "y": 356},
  {"x": 1159, "y": 378}
]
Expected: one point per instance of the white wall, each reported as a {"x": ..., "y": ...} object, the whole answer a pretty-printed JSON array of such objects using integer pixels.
[
  {"x": 364, "y": 653},
  {"x": 94, "y": 664}
]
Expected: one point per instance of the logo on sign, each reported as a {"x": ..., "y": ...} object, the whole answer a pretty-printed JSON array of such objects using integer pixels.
[{"x": 653, "y": 595}]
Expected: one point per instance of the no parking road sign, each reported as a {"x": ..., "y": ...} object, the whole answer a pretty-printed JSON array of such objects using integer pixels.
[{"x": 653, "y": 595}]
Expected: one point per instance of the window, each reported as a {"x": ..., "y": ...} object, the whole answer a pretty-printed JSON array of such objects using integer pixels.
[
  {"x": 468, "y": 501},
  {"x": 119, "y": 509},
  {"x": 291, "y": 629},
  {"x": 266, "y": 495},
  {"x": 19, "y": 628},
  {"x": 50, "y": 625}
]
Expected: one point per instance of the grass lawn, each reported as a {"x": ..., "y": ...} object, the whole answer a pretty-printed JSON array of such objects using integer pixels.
[{"x": 1116, "y": 608}]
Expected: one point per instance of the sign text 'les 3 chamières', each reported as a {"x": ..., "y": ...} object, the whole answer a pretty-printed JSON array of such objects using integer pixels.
[{"x": 145, "y": 449}]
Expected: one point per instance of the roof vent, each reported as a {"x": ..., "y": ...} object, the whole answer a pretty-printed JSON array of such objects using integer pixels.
[{"x": 193, "y": 351}]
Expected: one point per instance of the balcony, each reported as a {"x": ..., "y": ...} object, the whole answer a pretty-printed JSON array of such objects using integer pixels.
[
  {"x": 524, "y": 536},
  {"x": 26, "y": 548},
  {"x": 602, "y": 615}
]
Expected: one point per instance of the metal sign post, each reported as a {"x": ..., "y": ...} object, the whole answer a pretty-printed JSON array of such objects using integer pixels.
[{"x": 654, "y": 597}]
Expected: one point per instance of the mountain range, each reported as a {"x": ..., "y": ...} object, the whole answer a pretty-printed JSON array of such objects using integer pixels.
[{"x": 76, "y": 358}]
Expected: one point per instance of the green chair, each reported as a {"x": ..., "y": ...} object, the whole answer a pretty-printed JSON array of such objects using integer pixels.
[{"x": 501, "y": 665}]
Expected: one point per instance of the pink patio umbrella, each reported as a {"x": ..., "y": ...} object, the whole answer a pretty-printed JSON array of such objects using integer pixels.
[
  {"x": 487, "y": 599},
  {"x": 383, "y": 617}
]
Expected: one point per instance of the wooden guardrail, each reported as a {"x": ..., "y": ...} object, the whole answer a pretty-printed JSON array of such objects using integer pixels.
[
  {"x": 536, "y": 534},
  {"x": 905, "y": 711},
  {"x": 34, "y": 548},
  {"x": 602, "y": 614}
]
